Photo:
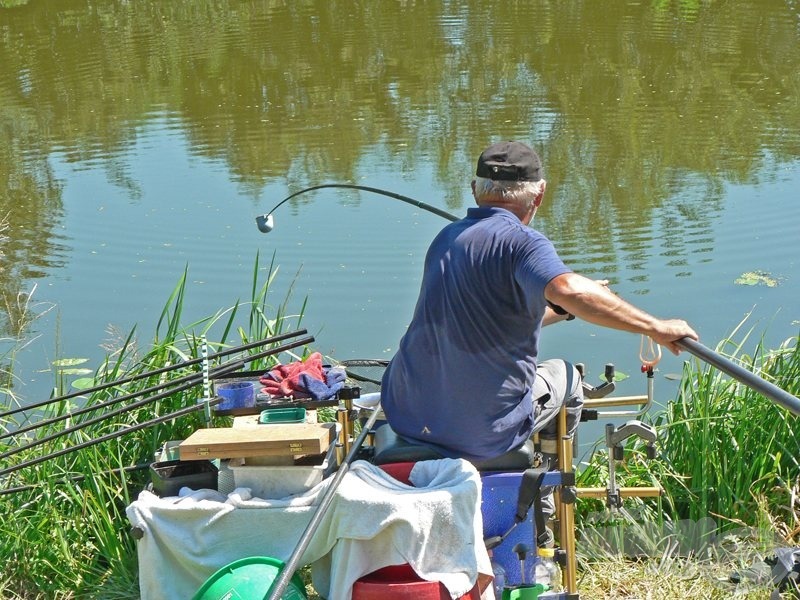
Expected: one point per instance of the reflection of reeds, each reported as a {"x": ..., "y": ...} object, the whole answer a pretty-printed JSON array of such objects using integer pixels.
[
  {"x": 20, "y": 313},
  {"x": 64, "y": 534}
]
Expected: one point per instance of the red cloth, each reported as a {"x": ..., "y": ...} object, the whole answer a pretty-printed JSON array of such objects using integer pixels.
[{"x": 284, "y": 380}]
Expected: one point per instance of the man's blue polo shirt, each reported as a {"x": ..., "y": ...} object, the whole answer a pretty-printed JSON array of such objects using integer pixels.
[{"x": 461, "y": 379}]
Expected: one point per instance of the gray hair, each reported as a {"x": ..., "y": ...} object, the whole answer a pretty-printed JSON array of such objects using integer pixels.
[{"x": 490, "y": 191}]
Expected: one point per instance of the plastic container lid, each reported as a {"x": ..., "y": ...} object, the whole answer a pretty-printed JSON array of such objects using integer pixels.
[{"x": 249, "y": 579}]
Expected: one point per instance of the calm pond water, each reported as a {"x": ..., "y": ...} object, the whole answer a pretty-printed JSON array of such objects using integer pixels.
[{"x": 141, "y": 138}]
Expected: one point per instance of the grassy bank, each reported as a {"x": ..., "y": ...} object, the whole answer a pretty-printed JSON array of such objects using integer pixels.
[{"x": 728, "y": 462}]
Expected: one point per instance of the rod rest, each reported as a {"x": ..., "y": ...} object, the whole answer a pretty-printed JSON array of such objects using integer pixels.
[{"x": 391, "y": 448}]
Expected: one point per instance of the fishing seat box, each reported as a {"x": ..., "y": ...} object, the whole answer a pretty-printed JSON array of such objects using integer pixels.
[{"x": 501, "y": 478}]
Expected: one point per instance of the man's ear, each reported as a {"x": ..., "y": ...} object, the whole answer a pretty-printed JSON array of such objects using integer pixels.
[{"x": 538, "y": 200}]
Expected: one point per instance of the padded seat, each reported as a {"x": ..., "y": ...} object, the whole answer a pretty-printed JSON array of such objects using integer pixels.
[{"x": 391, "y": 448}]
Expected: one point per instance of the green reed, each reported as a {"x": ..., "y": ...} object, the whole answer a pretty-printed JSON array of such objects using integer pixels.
[
  {"x": 727, "y": 448},
  {"x": 725, "y": 452},
  {"x": 63, "y": 528}
]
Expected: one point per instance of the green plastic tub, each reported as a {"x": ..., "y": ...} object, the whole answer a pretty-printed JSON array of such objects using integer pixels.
[
  {"x": 249, "y": 579},
  {"x": 283, "y": 415}
]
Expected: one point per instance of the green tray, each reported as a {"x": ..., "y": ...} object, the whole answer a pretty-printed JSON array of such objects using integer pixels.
[{"x": 283, "y": 415}]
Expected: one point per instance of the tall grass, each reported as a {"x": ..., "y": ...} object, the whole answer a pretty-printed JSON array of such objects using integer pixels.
[
  {"x": 727, "y": 455},
  {"x": 730, "y": 452},
  {"x": 63, "y": 529},
  {"x": 729, "y": 464}
]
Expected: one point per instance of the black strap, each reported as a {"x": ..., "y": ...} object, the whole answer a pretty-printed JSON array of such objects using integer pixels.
[{"x": 557, "y": 309}]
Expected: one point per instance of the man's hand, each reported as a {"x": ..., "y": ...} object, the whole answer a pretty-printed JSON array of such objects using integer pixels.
[{"x": 670, "y": 331}]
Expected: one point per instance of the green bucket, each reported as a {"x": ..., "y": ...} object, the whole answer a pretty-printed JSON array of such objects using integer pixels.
[
  {"x": 524, "y": 592},
  {"x": 249, "y": 579}
]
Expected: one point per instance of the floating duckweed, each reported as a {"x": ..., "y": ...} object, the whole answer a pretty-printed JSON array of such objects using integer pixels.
[{"x": 758, "y": 278}]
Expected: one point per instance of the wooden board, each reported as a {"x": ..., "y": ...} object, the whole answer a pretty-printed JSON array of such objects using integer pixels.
[{"x": 265, "y": 440}]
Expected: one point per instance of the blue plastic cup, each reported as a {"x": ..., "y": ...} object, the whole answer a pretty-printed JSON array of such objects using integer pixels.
[{"x": 238, "y": 394}]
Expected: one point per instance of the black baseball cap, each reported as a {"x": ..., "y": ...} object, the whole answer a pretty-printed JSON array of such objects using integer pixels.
[{"x": 509, "y": 161}]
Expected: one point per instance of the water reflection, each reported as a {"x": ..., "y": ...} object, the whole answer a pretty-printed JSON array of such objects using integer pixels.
[{"x": 642, "y": 111}]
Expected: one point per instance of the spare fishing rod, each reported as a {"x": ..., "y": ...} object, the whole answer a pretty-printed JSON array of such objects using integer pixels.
[
  {"x": 751, "y": 380},
  {"x": 159, "y": 371},
  {"x": 109, "y": 436},
  {"x": 77, "y": 478},
  {"x": 266, "y": 222},
  {"x": 190, "y": 381},
  {"x": 219, "y": 372},
  {"x": 285, "y": 575},
  {"x": 179, "y": 380}
]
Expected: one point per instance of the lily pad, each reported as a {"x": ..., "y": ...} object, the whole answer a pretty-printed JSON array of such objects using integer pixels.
[
  {"x": 69, "y": 362},
  {"x": 618, "y": 376},
  {"x": 72, "y": 371},
  {"x": 83, "y": 383},
  {"x": 759, "y": 278}
]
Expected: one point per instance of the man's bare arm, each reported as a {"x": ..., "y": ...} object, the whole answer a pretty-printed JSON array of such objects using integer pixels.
[{"x": 594, "y": 302}]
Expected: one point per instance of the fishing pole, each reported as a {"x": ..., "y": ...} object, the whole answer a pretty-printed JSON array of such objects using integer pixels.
[
  {"x": 131, "y": 395},
  {"x": 285, "y": 575},
  {"x": 76, "y": 478},
  {"x": 109, "y": 436},
  {"x": 159, "y": 371},
  {"x": 191, "y": 381},
  {"x": 266, "y": 222},
  {"x": 751, "y": 380}
]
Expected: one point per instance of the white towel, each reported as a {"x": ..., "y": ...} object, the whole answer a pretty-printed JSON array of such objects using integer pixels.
[
  {"x": 435, "y": 526},
  {"x": 373, "y": 521},
  {"x": 187, "y": 539}
]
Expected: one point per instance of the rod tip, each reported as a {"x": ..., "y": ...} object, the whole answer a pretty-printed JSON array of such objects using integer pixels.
[{"x": 265, "y": 223}]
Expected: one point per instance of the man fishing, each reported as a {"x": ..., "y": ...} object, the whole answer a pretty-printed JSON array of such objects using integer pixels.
[{"x": 465, "y": 379}]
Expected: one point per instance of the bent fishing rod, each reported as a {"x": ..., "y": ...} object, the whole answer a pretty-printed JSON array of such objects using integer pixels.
[
  {"x": 160, "y": 386},
  {"x": 159, "y": 371},
  {"x": 266, "y": 223},
  {"x": 189, "y": 382}
]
